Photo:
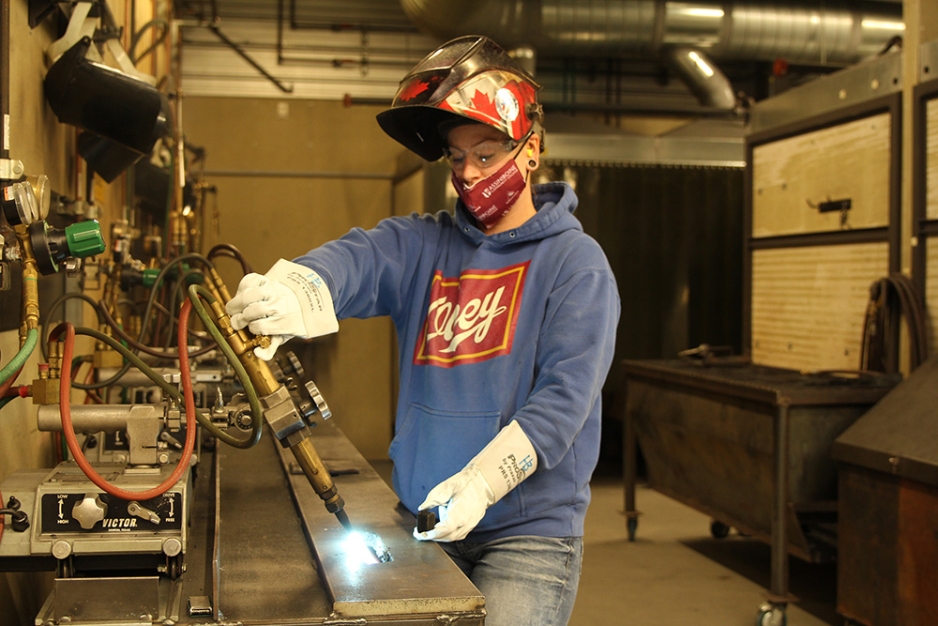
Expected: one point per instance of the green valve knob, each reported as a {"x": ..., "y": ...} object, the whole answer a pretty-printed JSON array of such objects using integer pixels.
[
  {"x": 52, "y": 246},
  {"x": 149, "y": 277},
  {"x": 85, "y": 239}
]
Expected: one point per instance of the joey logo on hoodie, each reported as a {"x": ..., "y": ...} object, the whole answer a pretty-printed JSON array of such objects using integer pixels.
[{"x": 471, "y": 317}]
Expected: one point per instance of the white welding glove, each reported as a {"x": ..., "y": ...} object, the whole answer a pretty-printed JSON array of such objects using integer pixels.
[
  {"x": 464, "y": 497},
  {"x": 290, "y": 300}
]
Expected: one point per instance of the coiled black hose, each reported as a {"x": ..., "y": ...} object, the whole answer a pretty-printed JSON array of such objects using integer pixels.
[{"x": 878, "y": 353}]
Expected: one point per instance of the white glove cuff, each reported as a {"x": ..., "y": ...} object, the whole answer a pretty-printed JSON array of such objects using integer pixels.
[
  {"x": 506, "y": 460},
  {"x": 313, "y": 294}
]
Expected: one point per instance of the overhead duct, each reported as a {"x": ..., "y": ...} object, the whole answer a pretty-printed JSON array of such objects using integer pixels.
[
  {"x": 814, "y": 33},
  {"x": 685, "y": 35},
  {"x": 712, "y": 88}
]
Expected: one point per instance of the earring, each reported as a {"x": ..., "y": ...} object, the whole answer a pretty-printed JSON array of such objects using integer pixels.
[{"x": 532, "y": 164}]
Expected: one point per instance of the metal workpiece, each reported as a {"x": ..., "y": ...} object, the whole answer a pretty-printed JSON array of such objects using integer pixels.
[
  {"x": 419, "y": 580},
  {"x": 263, "y": 533}
]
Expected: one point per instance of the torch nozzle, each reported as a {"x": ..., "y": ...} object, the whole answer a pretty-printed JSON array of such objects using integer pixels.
[{"x": 342, "y": 516}]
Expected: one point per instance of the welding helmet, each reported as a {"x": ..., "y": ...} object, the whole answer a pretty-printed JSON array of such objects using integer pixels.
[
  {"x": 105, "y": 101},
  {"x": 469, "y": 79}
]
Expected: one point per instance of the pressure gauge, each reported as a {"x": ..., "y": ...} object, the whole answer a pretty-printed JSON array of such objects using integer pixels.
[
  {"x": 27, "y": 201},
  {"x": 42, "y": 192},
  {"x": 19, "y": 204}
]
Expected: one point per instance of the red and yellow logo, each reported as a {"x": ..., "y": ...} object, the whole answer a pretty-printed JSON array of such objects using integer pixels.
[{"x": 471, "y": 318}]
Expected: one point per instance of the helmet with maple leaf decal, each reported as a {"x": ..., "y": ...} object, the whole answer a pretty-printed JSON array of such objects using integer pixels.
[{"x": 467, "y": 79}]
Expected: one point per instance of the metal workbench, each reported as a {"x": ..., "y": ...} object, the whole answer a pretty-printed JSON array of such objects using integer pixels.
[
  {"x": 748, "y": 445},
  {"x": 264, "y": 551}
]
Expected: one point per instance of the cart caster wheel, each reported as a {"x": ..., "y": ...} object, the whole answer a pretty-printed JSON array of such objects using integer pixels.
[
  {"x": 632, "y": 525},
  {"x": 771, "y": 615},
  {"x": 719, "y": 530}
]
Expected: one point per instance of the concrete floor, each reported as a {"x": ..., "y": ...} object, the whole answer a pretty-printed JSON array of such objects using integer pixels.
[{"x": 676, "y": 573}]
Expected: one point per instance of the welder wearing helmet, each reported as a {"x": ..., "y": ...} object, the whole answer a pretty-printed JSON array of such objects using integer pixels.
[{"x": 505, "y": 313}]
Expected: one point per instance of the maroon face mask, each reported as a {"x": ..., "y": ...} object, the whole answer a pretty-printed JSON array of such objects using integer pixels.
[{"x": 492, "y": 197}]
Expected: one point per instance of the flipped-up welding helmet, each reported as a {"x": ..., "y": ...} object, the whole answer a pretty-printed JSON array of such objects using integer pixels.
[
  {"x": 107, "y": 102},
  {"x": 470, "y": 79}
]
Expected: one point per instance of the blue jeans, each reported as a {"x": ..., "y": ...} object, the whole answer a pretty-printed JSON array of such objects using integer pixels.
[{"x": 525, "y": 580}]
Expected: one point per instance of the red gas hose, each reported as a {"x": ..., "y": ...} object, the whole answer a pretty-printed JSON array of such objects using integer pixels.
[
  {"x": 69, "y": 431},
  {"x": 9, "y": 382}
]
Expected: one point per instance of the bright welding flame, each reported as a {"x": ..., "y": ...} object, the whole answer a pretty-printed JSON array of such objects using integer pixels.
[{"x": 357, "y": 552}]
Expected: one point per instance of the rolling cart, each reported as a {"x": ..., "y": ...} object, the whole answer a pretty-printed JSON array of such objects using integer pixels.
[{"x": 749, "y": 446}]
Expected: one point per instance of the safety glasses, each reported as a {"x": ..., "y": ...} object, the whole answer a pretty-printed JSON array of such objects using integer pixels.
[{"x": 481, "y": 156}]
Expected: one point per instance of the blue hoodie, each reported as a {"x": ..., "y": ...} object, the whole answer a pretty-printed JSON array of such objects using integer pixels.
[{"x": 514, "y": 326}]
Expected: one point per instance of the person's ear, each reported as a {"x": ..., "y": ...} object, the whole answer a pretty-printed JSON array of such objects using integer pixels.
[{"x": 531, "y": 150}]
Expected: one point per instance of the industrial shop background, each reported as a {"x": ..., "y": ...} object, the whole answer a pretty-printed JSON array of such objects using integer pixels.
[{"x": 747, "y": 213}]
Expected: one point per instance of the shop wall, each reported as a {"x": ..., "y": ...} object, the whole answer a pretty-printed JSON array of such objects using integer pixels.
[{"x": 291, "y": 175}]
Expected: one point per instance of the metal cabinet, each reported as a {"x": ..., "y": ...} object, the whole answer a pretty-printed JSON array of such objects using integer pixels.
[{"x": 888, "y": 512}]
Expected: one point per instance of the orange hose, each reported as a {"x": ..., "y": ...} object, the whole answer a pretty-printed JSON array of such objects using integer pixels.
[{"x": 69, "y": 430}]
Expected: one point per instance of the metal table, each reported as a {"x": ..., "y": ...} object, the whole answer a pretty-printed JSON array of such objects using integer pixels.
[
  {"x": 264, "y": 551},
  {"x": 748, "y": 445}
]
